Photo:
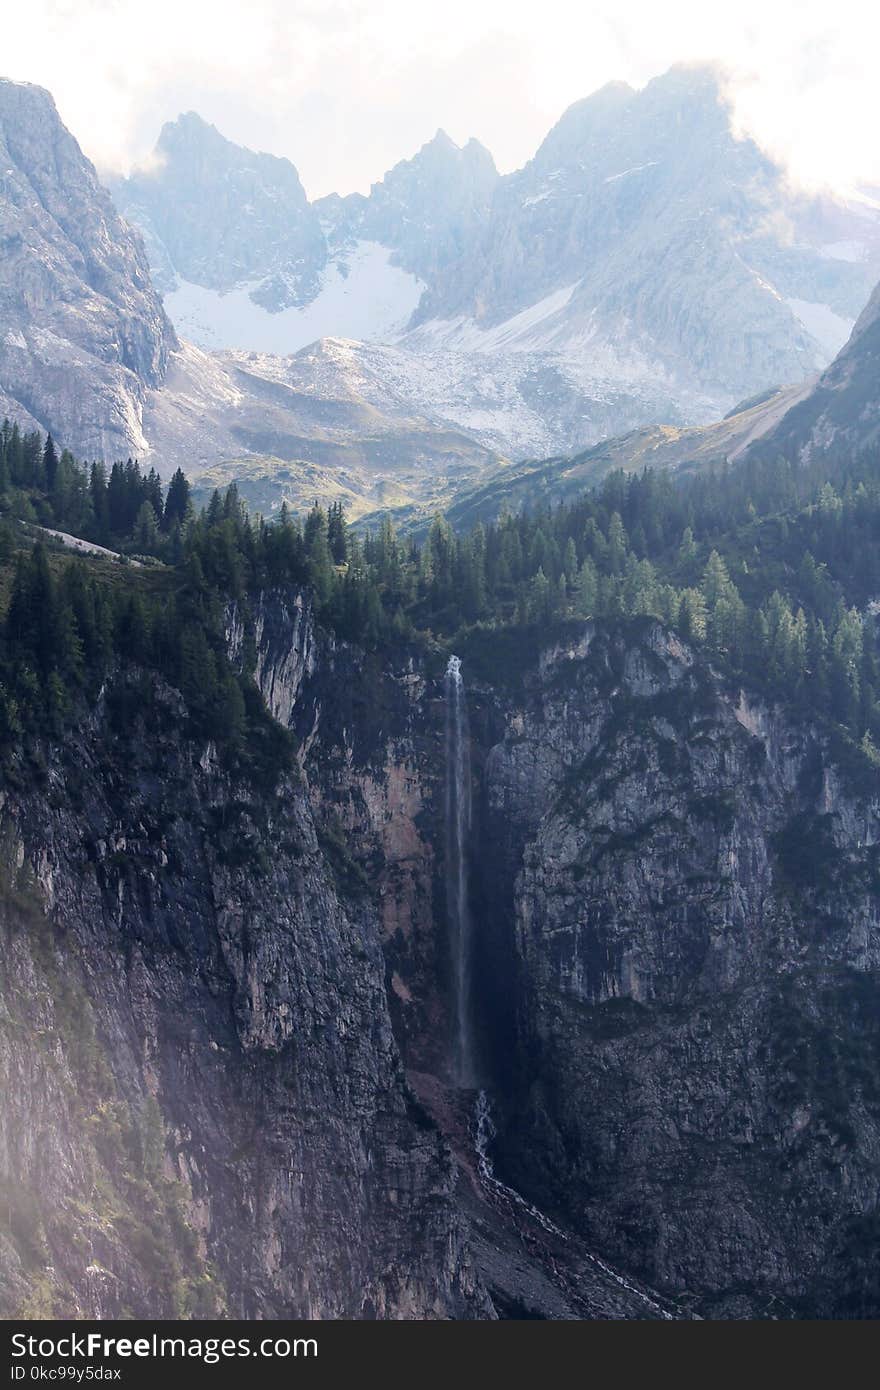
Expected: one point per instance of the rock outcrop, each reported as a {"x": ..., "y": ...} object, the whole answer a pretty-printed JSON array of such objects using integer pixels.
[
  {"x": 83, "y": 332},
  {"x": 684, "y": 906},
  {"x": 204, "y": 1108}
]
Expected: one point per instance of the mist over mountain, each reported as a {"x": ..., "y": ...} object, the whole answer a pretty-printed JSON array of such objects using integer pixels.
[
  {"x": 668, "y": 233},
  {"x": 220, "y": 216}
]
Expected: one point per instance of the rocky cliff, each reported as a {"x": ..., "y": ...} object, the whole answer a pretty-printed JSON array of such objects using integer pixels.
[
  {"x": 204, "y": 1108},
  {"x": 677, "y": 957},
  {"x": 84, "y": 334},
  {"x": 683, "y": 906},
  {"x": 371, "y": 734}
]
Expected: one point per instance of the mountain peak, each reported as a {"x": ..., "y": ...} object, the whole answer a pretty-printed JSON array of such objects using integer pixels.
[
  {"x": 31, "y": 111},
  {"x": 609, "y": 97},
  {"x": 586, "y": 120},
  {"x": 9, "y": 85},
  {"x": 441, "y": 147},
  {"x": 698, "y": 79},
  {"x": 687, "y": 95},
  {"x": 193, "y": 120},
  {"x": 189, "y": 130},
  {"x": 190, "y": 123},
  {"x": 22, "y": 95},
  {"x": 219, "y": 215}
]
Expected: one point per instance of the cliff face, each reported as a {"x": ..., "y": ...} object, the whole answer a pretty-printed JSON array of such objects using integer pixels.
[
  {"x": 371, "y": 733},
  {"x": 691, "y": 937},
  {"x": 84, "y": 334},
  {"x": 677, "y": 953},
  {"x": 371, "y": 740},
  {"x": 204, "y": 1108},
  {"x": 209, "y": 985}
]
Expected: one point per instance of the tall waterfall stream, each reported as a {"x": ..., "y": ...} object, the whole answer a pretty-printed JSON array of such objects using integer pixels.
[{"x": 458, "y": 827}]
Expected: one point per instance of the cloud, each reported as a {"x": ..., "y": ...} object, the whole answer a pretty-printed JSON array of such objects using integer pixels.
[{"x": 346, "y": 88}]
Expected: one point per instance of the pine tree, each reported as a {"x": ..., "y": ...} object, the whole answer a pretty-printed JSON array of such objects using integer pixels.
[
  {"x": 178, "y": 504},
  {"x": 586, "y": 589},
  {"x": 540, "y": 607},
  {"x": 146, "y": 530},
  {"x": 50, "y": 463},
  {"x": 692, "y": 615}
]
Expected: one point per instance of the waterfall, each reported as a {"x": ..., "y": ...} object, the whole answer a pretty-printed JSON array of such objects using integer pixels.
[
  {"x": 483, "y": 1133},
  {"x": 458, "y": 825}
]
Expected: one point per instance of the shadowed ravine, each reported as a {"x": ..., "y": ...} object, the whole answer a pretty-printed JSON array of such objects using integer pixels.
[{"x": 578, "y": 1283}]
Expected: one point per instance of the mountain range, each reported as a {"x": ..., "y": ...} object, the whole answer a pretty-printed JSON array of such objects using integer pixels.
[
  {"x": 646, "y": 271},
  {"x": 647, "y": 265}
]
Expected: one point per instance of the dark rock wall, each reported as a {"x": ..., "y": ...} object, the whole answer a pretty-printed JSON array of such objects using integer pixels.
[
  {"x": 204, "y": 1107},
  {"x": 210, "y": 990}
]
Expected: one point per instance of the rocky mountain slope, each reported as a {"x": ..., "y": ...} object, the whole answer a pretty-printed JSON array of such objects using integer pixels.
[
  {"x": 842, "y": 413},
  {"x": 668, "y": 236},
  {"x": 428, "y": 209},
  {"x": 550, "y": 481},
  {"x": 259, "y": 421},
  {"x": 84, "y": 335},
  {"x": 501, "y": 360},
  {"x": 680, "y": 889},
  {"x": 834, "y": 415},
  {"x": 204, "y": 1110}
]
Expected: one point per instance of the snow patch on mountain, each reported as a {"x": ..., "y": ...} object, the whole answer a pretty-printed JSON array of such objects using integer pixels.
[
  {"x": 829, "y": 329},
  {"x": 362, "y": 295},
  {"x": 851, "y": 251},
  {"x": 531, "y": 328},
  {"x": 638, "y": 168}
]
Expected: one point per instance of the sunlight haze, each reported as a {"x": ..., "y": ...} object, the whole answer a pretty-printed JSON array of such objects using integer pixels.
[{"x": 346, "y": 89}]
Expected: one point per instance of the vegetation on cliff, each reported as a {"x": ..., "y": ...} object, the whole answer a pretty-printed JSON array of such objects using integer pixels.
[{"x": 771, "y": 568}]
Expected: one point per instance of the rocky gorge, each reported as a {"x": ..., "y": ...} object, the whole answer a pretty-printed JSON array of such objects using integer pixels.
[{"x": 228, "y": 1006}]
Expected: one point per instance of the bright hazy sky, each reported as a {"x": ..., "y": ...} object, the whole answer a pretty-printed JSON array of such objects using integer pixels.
[{"x": 345, "y": 88}]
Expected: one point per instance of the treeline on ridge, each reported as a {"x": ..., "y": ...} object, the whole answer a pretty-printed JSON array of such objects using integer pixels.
[{"x": 769, "y": 567}]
